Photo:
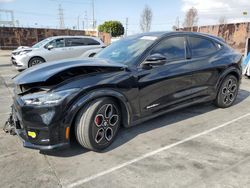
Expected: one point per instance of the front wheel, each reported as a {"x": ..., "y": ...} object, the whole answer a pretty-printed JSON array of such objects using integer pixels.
[
  {"x": 228, "y": 92},
  {"x": 35, "y": 61},
  {"x": 97, "y": 124}
]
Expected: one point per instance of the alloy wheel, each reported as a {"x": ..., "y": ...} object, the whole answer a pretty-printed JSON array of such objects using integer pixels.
[
  {"x": 229, "y": 91},
  {"x": 35, "y": 61},
  {"x": 106, "y": 124}
]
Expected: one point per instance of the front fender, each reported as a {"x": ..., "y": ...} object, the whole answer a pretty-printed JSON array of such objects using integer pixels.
[{"x": 81, "y": 101}]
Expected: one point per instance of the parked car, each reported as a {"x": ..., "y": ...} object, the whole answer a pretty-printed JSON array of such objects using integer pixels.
[
  {"x": 91, "y": 53},
  {"x": 54, "y": 48},
  {"x": 128, "y": 82}
]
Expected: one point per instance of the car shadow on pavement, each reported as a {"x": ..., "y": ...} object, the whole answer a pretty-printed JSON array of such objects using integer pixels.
[{"x": 127, "y": 134}]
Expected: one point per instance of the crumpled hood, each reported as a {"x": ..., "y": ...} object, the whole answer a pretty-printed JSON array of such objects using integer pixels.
[
  {"x": 21, "y": 49},
  {"x": 43, "y": 72}
]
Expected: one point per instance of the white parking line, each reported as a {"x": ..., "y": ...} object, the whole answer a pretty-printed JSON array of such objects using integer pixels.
[
  {"x": 90, "y": 178},
  {"x": 7, "y": 113}
]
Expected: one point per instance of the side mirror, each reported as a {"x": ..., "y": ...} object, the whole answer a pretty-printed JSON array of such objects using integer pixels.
[
  {"x": 50, "y": 47},
  {"x": 155, "y": 60}
]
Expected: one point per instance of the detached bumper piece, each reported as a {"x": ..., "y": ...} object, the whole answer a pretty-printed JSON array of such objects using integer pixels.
[{"x": 9, "y": 126}]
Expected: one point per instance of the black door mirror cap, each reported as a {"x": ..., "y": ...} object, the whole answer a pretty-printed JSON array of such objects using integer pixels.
[{"x": 154, "y": 60}]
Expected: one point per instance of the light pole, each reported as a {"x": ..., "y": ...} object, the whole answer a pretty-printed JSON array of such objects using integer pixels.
[{"x": 93, "y": 14}]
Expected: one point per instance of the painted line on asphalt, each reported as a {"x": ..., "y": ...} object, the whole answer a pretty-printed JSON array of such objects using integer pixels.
[
  {"x": 103, "y": 173},
  {"x": 6, "y": 113}
]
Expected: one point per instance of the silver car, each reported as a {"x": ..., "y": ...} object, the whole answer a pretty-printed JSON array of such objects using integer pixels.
[{"x": 55, "y": 48}]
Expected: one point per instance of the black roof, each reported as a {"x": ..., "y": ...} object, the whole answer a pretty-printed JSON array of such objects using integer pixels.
[{"x": 165, "y": 33}]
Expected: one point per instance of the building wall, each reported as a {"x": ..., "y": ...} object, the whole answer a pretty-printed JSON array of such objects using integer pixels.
[
  {"x": 12, "y": 37},
  {"x": 234, "y": 34}
]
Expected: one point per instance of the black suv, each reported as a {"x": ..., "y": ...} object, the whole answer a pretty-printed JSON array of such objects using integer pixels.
[{"x": 130, "y": 81}]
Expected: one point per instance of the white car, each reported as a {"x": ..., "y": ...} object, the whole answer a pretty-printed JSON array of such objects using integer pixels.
[
  {"x": 91, "y": 53},
  {"x": 55, "y": 48}
]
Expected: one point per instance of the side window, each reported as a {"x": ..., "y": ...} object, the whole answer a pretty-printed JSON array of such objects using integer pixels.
[
  {"x": 89, "y": 41},
  {"x": 75, "y": 42},
  {"x": 80, "y": 42},
  {"x": 56, "y": 43},
  {"x": 172, "y": 48},
  {"x": 201, "y": 46}
]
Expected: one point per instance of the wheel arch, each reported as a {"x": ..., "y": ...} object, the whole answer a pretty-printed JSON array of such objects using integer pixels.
[
  {"x": 92, "y": 54},
  {"x": 82, "y": 101},
  {"x": 35, "y": 57},
  {"x": 231, "y": 71}
]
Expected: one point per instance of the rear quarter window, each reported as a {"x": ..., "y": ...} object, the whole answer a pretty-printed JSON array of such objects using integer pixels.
[
  {"x": 89, "y": 41},
  {"x": 201, "y": 46}
]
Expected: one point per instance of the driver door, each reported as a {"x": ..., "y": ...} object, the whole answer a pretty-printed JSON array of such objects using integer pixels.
[{"x": 165, "y": 85}]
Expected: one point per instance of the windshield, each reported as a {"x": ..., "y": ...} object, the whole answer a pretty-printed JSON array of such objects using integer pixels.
[
  {"x": 41, "y": 43},
  {"x": 126, "y": 51}
]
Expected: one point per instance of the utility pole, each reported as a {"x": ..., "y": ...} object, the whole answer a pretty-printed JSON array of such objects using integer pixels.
[
  {"x": 86, "y": 20},
  {"x": 126, "y": 29},
  {"x": 178, "y": 23},
  {"x": 83, "y": 25},
  {"x": 93, "y": 14},
  {"x": 61, "y": 17},
  {"x": 78, "y": 22}
]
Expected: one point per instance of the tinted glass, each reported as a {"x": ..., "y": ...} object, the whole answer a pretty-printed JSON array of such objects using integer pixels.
[
  {"x": 201, "y": 46},
  {"x": 57, "y": 43},
  {"x": 89, "y": 41},
  {"x": 81, "y": 42},
  {"x": 172, "y": 48},
  {"x": 127, "y": 50},
  {"x": 75, "y": 42}
]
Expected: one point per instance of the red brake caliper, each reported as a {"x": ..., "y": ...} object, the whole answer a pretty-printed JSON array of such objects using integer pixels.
[{"x": 97, "y": 120}]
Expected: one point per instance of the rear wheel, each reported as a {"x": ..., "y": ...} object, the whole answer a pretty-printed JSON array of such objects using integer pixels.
[
  {"x": 97, "y": 124},
  {"x": 35, "y": 61},
  {"x": 228, "y": 92}
]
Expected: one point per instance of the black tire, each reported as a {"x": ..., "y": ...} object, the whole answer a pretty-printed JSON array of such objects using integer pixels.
[
  {"x": 228, "y": 92},
  {"x": 97, "y": 124},
  {"x": 35, "y": 61}
]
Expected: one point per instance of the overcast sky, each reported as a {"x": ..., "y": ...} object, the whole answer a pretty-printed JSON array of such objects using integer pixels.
[{"x": 37, "y": 13}]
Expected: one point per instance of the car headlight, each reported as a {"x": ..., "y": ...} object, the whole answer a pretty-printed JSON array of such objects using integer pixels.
[
  {"x": 24, "y": 52},
  {"x": 50, "y": 98}
]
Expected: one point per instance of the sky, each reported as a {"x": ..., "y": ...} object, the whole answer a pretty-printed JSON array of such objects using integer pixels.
[{"x": 44, "y": 13}]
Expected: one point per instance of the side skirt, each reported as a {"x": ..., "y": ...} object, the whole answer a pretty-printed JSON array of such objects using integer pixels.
[{"x": 171, "y": 109}]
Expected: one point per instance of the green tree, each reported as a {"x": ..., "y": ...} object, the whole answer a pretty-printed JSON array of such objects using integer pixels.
[{"x": 114, "y": 27}]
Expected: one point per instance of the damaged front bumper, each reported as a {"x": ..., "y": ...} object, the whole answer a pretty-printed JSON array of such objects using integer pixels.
[
  {"x": 20, "y": 62},
  {"x": 23, "y": 136},
  {"x": 29, "y": 125}
]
